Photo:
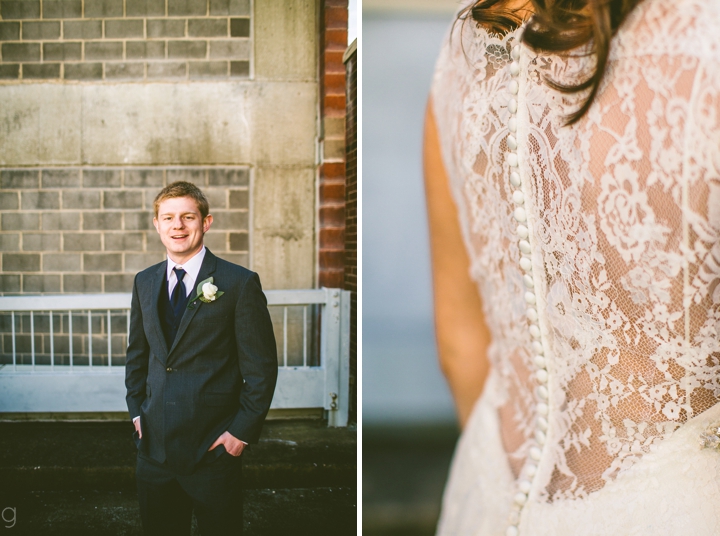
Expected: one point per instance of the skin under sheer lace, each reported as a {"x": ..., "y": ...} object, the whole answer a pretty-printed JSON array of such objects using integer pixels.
[{"x": 623, "y": 213}]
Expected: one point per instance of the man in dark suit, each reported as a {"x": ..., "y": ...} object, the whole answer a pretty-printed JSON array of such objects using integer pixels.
[{"x": 201, "y": 369}]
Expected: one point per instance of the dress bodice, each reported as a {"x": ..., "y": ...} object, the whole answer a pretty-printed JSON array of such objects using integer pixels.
[{"x": 596, "y": 246}]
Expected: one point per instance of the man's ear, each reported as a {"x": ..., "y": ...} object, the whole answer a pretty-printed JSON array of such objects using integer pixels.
[
  {"x": 207, "y": 222},
  {"x": 155, "y": 223}
]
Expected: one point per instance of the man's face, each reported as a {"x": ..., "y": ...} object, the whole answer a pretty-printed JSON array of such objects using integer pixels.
[{"x": 181, "y": 227}]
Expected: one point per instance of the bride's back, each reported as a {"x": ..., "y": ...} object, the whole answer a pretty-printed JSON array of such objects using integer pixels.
[{"x": 596, "y": 246}]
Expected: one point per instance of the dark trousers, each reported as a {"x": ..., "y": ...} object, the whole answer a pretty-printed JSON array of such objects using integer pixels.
[{"x": 213, "y": 491}]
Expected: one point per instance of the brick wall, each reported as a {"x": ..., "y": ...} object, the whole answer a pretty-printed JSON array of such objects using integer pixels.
[
  {"x": 90, "y": 229},
  {"x": 351, "y": 222},
  {"x": 124, "y": 39},
  {"x": 332, "y": 167}
]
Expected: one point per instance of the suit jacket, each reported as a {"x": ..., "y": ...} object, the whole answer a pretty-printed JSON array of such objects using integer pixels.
[{"x": 219, "y": 373}]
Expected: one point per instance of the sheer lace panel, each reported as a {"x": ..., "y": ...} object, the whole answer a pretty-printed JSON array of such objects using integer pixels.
[{"x": 624, "y": 218}]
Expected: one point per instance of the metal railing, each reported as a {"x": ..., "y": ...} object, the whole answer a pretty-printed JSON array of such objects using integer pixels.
[{"x": 66, "y": 353}]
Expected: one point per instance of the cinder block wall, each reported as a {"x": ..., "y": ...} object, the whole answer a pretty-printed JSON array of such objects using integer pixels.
[
  {"x": 106, "y": 101},
  {"x": 124, "y": 39}
]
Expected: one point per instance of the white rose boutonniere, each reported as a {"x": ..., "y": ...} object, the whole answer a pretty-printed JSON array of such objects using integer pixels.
[{"x": 206, "y": 292}]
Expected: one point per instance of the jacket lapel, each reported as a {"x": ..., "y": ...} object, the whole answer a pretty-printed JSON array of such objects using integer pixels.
[
  {"x": 158, "y": 286},
  {"x": 206, "y": 270}
]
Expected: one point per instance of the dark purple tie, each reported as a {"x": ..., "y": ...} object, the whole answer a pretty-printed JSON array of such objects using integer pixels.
[{"x": 178, "y": 298}]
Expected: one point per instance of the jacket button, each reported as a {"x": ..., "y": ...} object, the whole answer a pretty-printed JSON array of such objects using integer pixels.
[{"x": 169, "y": 369}]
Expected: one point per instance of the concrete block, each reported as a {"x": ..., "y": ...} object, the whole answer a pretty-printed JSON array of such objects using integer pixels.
[
  {"x": 214, "y": 240},
  {"x": 104, "y": 50},
  {"x": 217, "y": 198},
  {"x": 41, "y": 242},
  {"x": 284, "y": 200},
  {"x": 94, "y": 221},
  {"x": 61, "y": 262},
  {"x": 135, "y": 262},
  {"x": 187, "y": 49},
  {"x": 40, "y": 200},
  {"x": 138, "y": 221},
  {"x": 118, "y": 29},
  {"x": 20, "y": 9},
  {"x": 167, "y": 70},
  {"x": 240, "y": 69},
  {"x": 36, "y": 30},
  {"x": 81, "y": 283},
  {"x": 144, "y": 50},
  {"x": 208, "y": 27},
  {"x": 124, "y": 241},
  {"x": 283, "y": 131},
  {"x": 19, "y": 178},
  {"x": 83, "y": 71},
  {"x": 9, "y": 31},
  {"x": 239, "y": 241},
  {"x": 240, "y": 258},
  {"x": 60, "y": 178},
  {"x": 334, "y": 127},
  {"x": 166, "y": 28},
  {"x": 102, "y": 262},
  {"x": 62, "y": 9},
  {"x": 81, "y": 241},
  {"x": 144, "y": 178},
  {"x": 102, "y": 178},
  {"x": 196, "y": 176},
  {"x": 21, "y": 262},
  {"x": 86, "y": 29},
  {"x": 9, "y": 71},
  {"x": 9, "y": 241},
  {"x": 62, "y": 52},
  {"x": 334, "y": 149},
  {"x": 285, "y": 39},
  {"x": 236, "y": 49},
  {"x": 229, "y": 7},
  {"x": 161, "y": 124},
  {"x": 240, "y": 27},
  {"x": 153, "y": 242},
  {"x": 181, "y": 8},
  {"x": 124, "y": 71},
  {"x": 41, "y": 283},
  {"x": 239, "y": 199},
  {"x": 208, "y": 69},
  {"x": 284, "y": 259},
  {"x": 60, "y": 221},
  {"x": 228, "y": 177},
  {"x": 119, "y": 283},
  {"x": 21, "y": 221},
  {"x": 9, "y": 200},
  {"x": 123, "y": 199},
  {"x": 21, "y": 51},
  {"x": 145, "y": 8},
  {"x": 231, "y": 220},
  {"x": 36, "y": 71},
  {"x": 81, "y": 198},
  {"x": 103, "y": 8},
  {"x": 9, "y": 282}
]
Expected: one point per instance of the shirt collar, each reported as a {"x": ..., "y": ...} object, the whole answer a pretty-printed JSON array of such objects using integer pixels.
[{"x": 191, "y": 267}]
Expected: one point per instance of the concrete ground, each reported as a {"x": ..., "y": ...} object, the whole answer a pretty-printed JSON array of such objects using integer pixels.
[
  {"x": 78, "y": 479},
  {"x": 404, "y": 473}
]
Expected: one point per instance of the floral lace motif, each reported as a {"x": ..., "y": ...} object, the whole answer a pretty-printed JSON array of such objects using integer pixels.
[{"x": 624, "y": 216}]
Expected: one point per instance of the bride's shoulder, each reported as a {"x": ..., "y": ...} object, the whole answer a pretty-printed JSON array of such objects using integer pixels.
[{"x": 671, "y": 28}]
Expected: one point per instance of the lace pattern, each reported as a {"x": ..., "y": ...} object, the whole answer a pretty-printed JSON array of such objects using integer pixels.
[{"x": 624, "y": 217}]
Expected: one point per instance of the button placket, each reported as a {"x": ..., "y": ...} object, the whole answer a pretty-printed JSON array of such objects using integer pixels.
[{"x": 520, "y": 214}]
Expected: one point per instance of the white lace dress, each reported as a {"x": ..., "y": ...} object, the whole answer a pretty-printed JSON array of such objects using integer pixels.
[{"x": 596, "y": 250}]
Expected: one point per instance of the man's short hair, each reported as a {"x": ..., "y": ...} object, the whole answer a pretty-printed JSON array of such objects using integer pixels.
[{"x": 183, "y": 189}]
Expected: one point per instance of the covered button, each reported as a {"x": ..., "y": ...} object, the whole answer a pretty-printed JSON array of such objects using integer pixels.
[
  {"x": 535, "y": 331},
  {"x": 511, "y": 142},
  {"x": 522, "y": 232},
  {"x": 512, "y": 124},
  {"x": 528, "y": 280},
  {"x": 512, "y": 105},
  {"x": 512, "y": 159},
  {"x": 518, "y": 197},
  {"x": 512, "y": 530},
  {"x": 542, "y": 375},
  {"x": 535, "y": 453},
  {"x": 532, "y": 314},
  {"x": 520, "y": 498},
  {"x": 514, "y": 68},
  {"x": 524, "y": 246},
  {"x": 515, "y": 178},
  {"x": 525, "y": 263},
  {"x": 542, "y": 408},
  {"x": 515, "y": 52},
  {"x": 514, "y": 87},
  {"x": 520, "y": 215}
]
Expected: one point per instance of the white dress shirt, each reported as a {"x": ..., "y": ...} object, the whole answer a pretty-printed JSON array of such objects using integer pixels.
[{"x": 192, "y": 269}]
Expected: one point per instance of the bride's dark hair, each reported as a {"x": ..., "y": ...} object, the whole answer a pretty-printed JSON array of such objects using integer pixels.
[{"x": 559, "y": 26}]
